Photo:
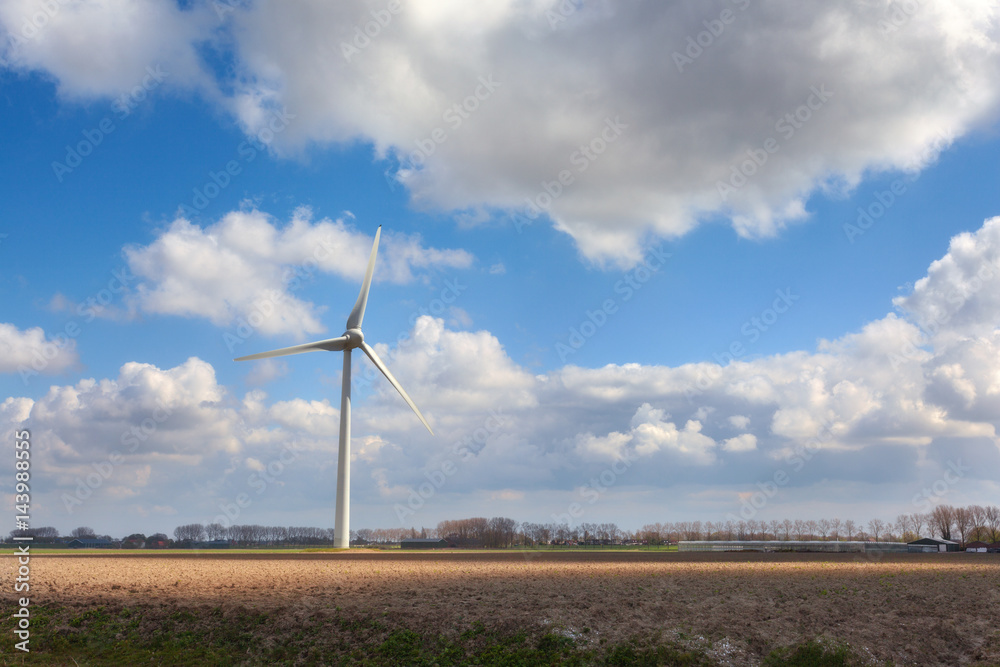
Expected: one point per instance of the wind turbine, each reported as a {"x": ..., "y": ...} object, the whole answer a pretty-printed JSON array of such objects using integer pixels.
[{"x": 352, "y": 338}]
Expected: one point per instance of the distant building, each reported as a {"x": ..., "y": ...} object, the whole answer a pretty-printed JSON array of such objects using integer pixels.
[
  {"x": 824, "y": 546},
  {"x": 89, "y": 543},
  {"x": 993, "y": 548},
  {"x": 212, "y": 544},
  {"x": 423, "y": 543},
  {"x": 933, "y": 544},
  {"x": 977, "y": 547}
]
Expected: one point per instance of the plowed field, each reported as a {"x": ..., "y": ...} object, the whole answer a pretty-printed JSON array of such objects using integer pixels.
[{"x": 319, "y": 608}]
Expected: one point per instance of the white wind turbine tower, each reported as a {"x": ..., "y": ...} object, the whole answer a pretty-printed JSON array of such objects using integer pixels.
[{"x": 351, "y": 339}]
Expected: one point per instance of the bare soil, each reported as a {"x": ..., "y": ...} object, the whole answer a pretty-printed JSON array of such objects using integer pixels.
[{"x": 911, "y": 609}]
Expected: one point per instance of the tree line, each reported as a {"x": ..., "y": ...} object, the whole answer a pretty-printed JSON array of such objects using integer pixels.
[{"x": 960, "y": 524}]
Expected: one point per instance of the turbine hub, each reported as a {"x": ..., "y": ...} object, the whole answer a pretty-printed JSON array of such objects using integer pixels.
[{"x": 354, "y": 338}]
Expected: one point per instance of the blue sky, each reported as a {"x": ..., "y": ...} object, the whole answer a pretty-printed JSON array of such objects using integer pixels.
[{"x": 887, "y": 379}]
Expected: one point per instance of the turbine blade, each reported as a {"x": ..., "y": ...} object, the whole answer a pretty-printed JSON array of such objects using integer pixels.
[
  {"x": 385, "y": 371},
  {"x": 329, "y": 345},
  {"x": 358, "y": 313}
]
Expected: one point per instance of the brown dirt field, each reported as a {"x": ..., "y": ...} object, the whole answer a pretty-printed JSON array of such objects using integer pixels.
[{"x": 912, "y": 609}]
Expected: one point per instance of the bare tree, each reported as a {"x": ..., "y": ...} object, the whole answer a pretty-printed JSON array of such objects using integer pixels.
[
  {"x": 730, "y": 529},
  {"x": 215, "y": 531},
  {"x": 979, "y": 531},
  {"x": 83, "y": 532},
  {"x": 943, "y": 520},
  {"x": 823, "y": 526},
  {"x": 876, "y": 527},
  {"x": 850, "y": 528},
  {"x": 835, "y": 527},
  {"x": 963, "y": 522},
  {"x": 786, "y": 526},
  {"x": 192, "y": 532},
  {"x": 992, "y": 514},
  {"x": 652, "y": 533},
  {"x": 42, "y": 534}
]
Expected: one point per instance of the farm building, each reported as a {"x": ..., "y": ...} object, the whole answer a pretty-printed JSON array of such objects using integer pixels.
[
  {"x": 832, "y": 546},
  {"x": 213, "y": 544},
  {"x": 88, "y": 543},
  {"x": 423, "y": 543},
  {"x": 993, "y": 548},
  {"x": 934, "y": 544},
  {"x": 977, "y": 547}
]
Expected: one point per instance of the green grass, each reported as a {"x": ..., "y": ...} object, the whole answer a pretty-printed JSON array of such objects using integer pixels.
[
  {"x": 810, "y": 654},
  {"x": 145, "y": 635}
]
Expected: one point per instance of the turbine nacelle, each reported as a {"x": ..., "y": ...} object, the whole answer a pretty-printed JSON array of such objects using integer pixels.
[{"x": 354, "y": 339}]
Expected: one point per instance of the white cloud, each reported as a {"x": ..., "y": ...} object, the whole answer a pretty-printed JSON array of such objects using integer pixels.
[
  {"x": 660, "y": 174},
  {"x": 739, "y": 421},
  {"x": 672, "y": 129},
  {"x": 30, "y": 352},
  {"x": 746, "y": 442},
  {"x": 265, "y": 371},
  {"x": 960, "y": 295},
  {"x": 246, "y": 269},
  {"x": 863, "y": 410},
  {"x": 103, "y": 47}
]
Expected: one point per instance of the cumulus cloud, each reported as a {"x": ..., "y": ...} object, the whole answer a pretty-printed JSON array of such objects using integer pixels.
[
  {"x": 103, "y": 47},
  {"x": 266, "y": 371},
  {"x": 960, "y": 295},
  {"x": 645, "y": 136},
  {"x": 30, "y": 352},
  {"x": 248, "y": 266},
  {"x": 619, "y": 121},
  {"x": 869, "y": 407},
  {"x": 878, "y": 395},
  {"x": 746, "y": 442}
]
